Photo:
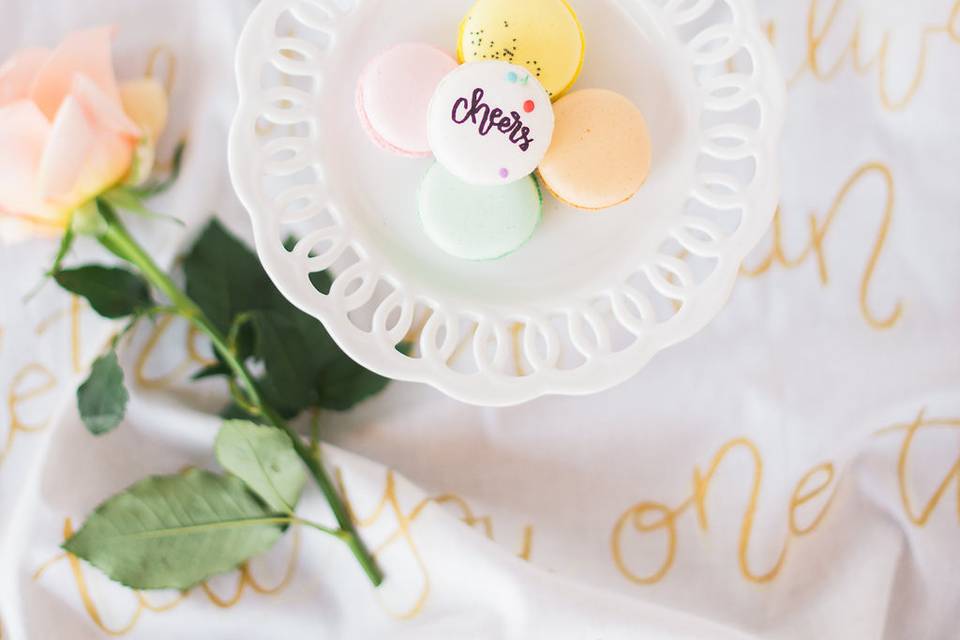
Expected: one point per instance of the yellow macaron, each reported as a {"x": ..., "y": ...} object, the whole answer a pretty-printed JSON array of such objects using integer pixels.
[
  {"x": 601, "y": 152},
  {"x": 544, "y": 36}
]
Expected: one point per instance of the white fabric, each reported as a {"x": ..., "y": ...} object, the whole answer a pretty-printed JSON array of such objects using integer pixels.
[{"x": 836, "y": 368}]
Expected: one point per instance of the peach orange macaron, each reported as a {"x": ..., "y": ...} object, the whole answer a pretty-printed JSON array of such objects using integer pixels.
[
  {"x": 600, "y": 155},
  {"x": 394, "y": 93}
]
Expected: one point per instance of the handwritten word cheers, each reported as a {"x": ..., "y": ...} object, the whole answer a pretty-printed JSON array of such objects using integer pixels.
[
  {"x": 490, "y": 123},
  {"x": 489, "y": 118}
]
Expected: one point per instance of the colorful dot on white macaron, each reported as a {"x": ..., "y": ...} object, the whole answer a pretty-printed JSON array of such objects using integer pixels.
[{"x": 504, "y": 173}]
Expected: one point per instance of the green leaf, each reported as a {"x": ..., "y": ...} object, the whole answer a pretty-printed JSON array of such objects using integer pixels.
[
  {"x": 294, "y": 352},
  {"x": 112, "y": 292},
  {"x": 228, "y": 283},
  {"x": 102, "y": 398},
  {"x": 226, "y": 279},
  {"x": 87, "y": 220},
  {"x": 264, "y": 458},
  {"x": 321, "y": 281},
  {"x": 173, "y": 532},
  {"x": 126, "y": 199},
  {"x": 157, "y": 187},
  {"x": 242, "y": 337},
  {"x": 304, "y": 367},
  {"x": 343, "y": 384}
]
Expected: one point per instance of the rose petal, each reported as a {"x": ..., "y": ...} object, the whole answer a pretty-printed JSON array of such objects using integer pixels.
[
  {"x": 17, "y": 229},
  {"x": 82, "y": 159},
  {"x": 87, "y": 52},
  {"x": 13, "y": 229},
  {"x": 106, "y": 112},
  {"x": 18, "y": 72},
  {"x": 108, "y": 161},
  {"x": 67, "y": 148},
  {"x": 24, "y": 132},
  {"x": 145, "y": 101}
]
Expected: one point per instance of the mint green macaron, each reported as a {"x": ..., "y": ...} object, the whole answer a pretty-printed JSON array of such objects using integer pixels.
[{"x": 474, "y": 222}]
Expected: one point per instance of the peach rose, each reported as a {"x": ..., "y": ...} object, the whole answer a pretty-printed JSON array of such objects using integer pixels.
[{"x": 68, "y": 132}]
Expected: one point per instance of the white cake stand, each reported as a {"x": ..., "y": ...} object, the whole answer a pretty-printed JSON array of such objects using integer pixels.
[{"x": 589, "y": 301}]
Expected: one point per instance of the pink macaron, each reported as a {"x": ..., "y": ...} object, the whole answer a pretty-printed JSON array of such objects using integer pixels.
[{"x": 394, "y": 93}]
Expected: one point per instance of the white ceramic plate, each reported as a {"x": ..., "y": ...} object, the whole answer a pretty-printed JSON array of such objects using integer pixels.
[{"x": 592, "y": 297}]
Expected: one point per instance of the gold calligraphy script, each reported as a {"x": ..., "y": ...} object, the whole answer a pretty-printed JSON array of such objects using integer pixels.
[
  {"x": 33, "y": 382},
  {"x": 192, "y": 359},
  {"x": 646, "y": 518},
  {"x": 863, "y": 63},
  {"x": 920, "y": 426},
  {"x": 389, "y": 509},
  {"x": 809, "y": 504},
  {"x": 821, "y": 229},
  {"x": 245, "y": 580}
]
